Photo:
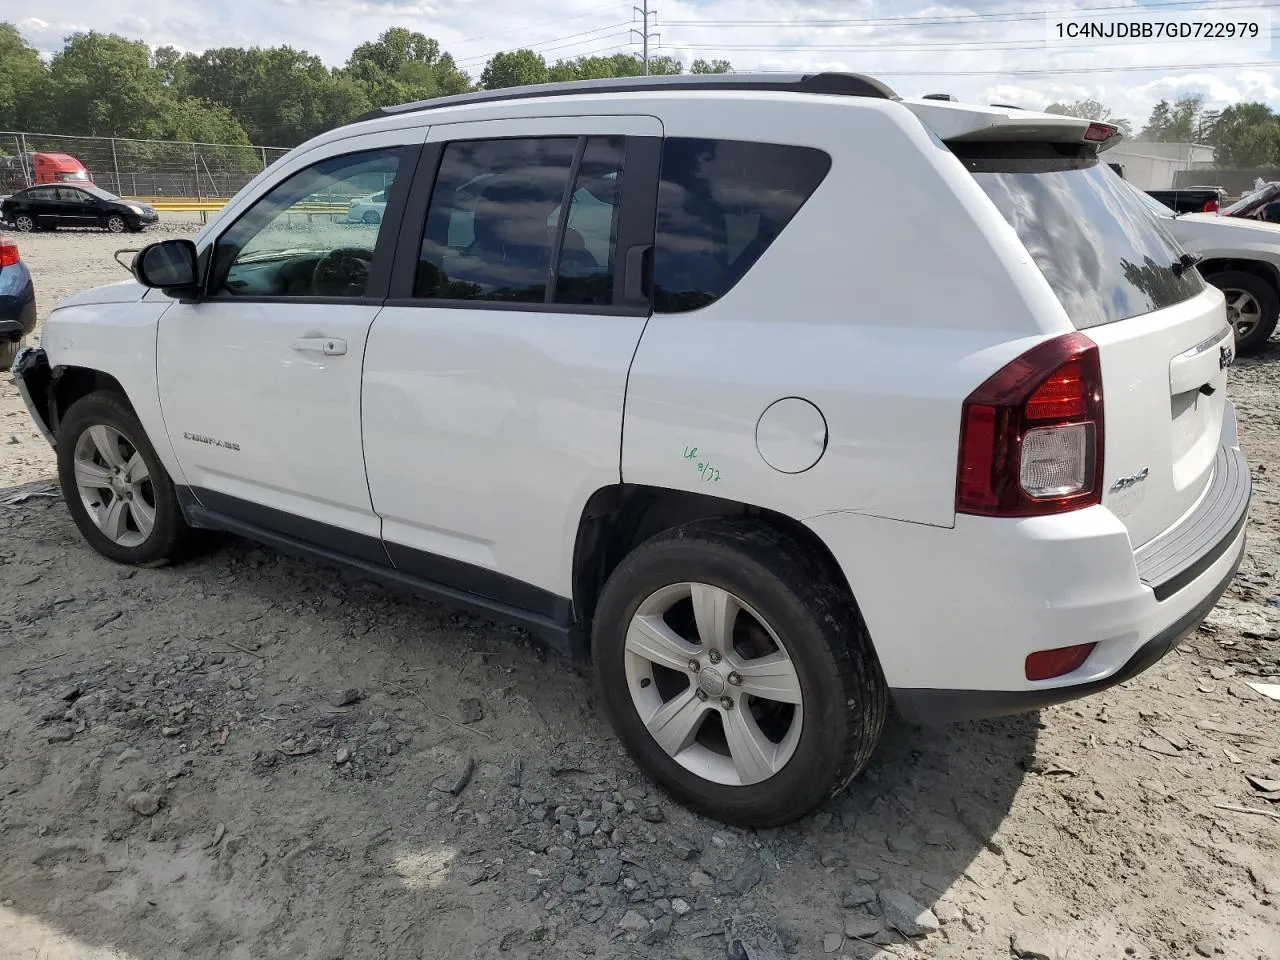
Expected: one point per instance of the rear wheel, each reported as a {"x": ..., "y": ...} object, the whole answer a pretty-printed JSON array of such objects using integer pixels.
[
  {"x": 371, "y": 216},
  {"x": 1253, "y": 307},
  {"x": 8, "y": 352},
  {"x": 116, "y": 489},
  {"x": 24, "y": 222},
  {"x": 116, "y": 223},
  {"x": 736, "y": 672}
]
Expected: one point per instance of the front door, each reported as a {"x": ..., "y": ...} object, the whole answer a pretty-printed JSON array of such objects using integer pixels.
[
  {"x": 495, "y": 377},
  {"x": 260, "y": 378}
]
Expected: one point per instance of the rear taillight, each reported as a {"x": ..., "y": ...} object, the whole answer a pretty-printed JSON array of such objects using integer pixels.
[
  {"x": 1031, "y": 436},
  {"x": 8, "y": 253},
  {"x": 1210, "y": 206}
]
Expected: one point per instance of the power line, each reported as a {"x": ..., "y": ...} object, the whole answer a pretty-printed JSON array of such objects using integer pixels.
[
  {"x": 974, "y": 18},
  {"x": 545, "y": 45}
]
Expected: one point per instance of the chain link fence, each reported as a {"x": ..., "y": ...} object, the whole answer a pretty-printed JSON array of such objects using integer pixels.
[{"x": 159, "y": 169}]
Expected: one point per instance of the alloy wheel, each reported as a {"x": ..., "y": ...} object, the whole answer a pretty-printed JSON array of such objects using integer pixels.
[
  {"x": 115, "y": 486},
  {"x": 24, "y": 223},
  {"x": 1243, "y": 311},
  {"x": 713, "y": 684},
  {"x": 116, "y": 224}
]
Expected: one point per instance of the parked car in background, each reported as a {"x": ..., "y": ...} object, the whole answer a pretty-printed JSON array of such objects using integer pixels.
[
  {"x": 17, "y": 301},
  {"x": 1191, "y": 199},
  {"x": 83, "y": 205},
  {"x": 618, "y": 392},
  {"x": 1261, "y": 204},
  {"x": 368, "y": 209},
  {"x": 1240, "y": 257}
]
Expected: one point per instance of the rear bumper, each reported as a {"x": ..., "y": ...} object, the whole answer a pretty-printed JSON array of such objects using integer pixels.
[{"x": 954, "y": 613}]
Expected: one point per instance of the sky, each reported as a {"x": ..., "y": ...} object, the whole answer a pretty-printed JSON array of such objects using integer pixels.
[{"x": 980, "y": 50}]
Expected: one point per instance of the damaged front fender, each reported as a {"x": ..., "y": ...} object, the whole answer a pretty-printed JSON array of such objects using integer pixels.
[{"x": 32, "y": 374}]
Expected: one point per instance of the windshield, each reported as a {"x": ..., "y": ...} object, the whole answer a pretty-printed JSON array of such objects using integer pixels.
[
  {"x": 1250, "y": 199},
  {"x": 1106, "y": 254},
  {"x": 96, "y": 191}
]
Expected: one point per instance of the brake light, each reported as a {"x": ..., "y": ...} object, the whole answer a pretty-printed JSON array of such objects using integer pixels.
[
  {"x": 1031, "y": 435},
  {"x": 1210, "y": 206},
  {"x": 1099, "y": 132},
  {"x": 8, "y": 253}
]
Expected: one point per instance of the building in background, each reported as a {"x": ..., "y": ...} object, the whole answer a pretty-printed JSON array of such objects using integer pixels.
[{"x": 1153, "y": 166}]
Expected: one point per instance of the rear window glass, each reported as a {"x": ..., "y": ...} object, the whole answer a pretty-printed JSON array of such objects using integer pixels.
[
  {"x": 721, "y": 203},
  {"x": 1102, "y": 250}
]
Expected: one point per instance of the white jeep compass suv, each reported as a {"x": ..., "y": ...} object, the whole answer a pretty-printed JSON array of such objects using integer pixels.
[{"x": 644, "y": 366}]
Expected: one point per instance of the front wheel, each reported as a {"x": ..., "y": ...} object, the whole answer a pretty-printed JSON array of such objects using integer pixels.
[
  {"x": 116, "y": 489},
  {"x": 736, "y": 671},
  {"x": 1253, "y": 307},
  {"x": 116, "y": 223}
]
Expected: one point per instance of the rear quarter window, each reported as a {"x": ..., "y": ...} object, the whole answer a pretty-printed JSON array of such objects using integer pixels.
[
  {"x": 1102, "y": 250},
  {"x": 721, "y": 203}
]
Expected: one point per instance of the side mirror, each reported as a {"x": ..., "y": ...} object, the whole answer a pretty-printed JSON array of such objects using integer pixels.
[{"x": 169, "y": 265}]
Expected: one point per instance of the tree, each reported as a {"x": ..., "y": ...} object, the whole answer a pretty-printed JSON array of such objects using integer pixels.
[
  {"x": 714, "y": 66},
  {"x": 22, "y": 82},
  {"x": 1176, "y": 123},
  {"x": 1245, "y": 135},
  {"x": 515, "y": 69},
  {"x": 665, "y": 67},
  {"x": 403, "y": 65},
  {"x": 1090, "y": 110}
]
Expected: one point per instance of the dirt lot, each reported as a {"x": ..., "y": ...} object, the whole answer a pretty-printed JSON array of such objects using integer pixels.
[{"x": 182, "y": 775}]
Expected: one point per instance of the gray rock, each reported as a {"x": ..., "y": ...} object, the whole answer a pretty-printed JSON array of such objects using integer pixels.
[
  {"x": 659, "y": 931},
  {"x": 611, "y": 873},
  {"x": 701, "y": 880},
  {"x": 563, "y": 854},
  {"x": 342, "y": 756},
  {"x": 680, "y": 906},
  {"x": 1205, "y": 948},
  {"x": 632, "y": 922},
  {"x": 586, "y": 828},
  {"x": 833, "y": 859},
  {"x": 832, "y": 942},
  {"x": 905, "y": 915},
  {"x": 235, "y": 683},
  {"x": 62, "y": 734},
  {"x": 404, "y": 737},
  {"x": 861, "y": 925},
  {"x": 1031, "y": 946},
  {"x": 856, "y": 897},
  {"x": 902, "y": 843},
  {"x": 169, "y": 731},
  {"x": 144, "y": 804},
  {"x": 618, "y": 837},
  {"x": 470, "y": 710},
  {"x": 378, "y": 726},
  {"x": 69, "y": 693},
  {"x": 946, "y": 912},
  {"x": 653, "y": 814},
  {"x": 751, "y": 937},
  {"x": 345, "y": 697},
  {"x": 683, "y": 848},
  {"x": 610, "y": 809},
  {"x": 867, "y": 875},
  {"x": 515, "y": 773},
  {"x": 573, "y": 884},
  {"x": 747, "y": 878}
]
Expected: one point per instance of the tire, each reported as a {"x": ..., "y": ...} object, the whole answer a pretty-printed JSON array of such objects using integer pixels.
[
  {"x": 1261, "y": 302},
  {"x": 785, "y": 588},
  {"x": 371, "y": 217},
  {"x": 116, "y": 223},
  {"x": 107, "y": 416},
  {"x": 24, "y": 223},
  {"x": 8, "y": 353}
]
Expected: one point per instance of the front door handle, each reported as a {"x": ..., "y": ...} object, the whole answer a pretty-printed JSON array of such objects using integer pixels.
[{"x": 329, "y": 346}]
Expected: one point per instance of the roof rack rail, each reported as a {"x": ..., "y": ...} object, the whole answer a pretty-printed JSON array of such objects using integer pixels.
[
  {"x": 939, "y": 96},
  {"x": 838, "y": 84}
]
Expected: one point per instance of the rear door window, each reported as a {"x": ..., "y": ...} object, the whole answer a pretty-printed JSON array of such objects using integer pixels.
[
  {"x": 721, "y": 203},
  {"x": 1103, "y": 251}
]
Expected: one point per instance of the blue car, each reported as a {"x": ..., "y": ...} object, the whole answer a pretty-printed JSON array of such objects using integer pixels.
[{"x": 17, "y": 301}]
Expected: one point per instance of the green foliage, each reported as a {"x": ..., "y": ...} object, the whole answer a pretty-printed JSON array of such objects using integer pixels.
[
  {"x": 1245, "y": 135},
  {"x": 1176, "y": 123},
  {"x": 102, "y": 84}
]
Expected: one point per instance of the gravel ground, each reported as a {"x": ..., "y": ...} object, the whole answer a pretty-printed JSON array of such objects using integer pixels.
[{"x": 247, "y": 757}]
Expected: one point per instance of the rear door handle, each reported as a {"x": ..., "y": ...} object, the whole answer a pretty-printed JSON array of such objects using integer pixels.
[{"x": 329, "y": 346}]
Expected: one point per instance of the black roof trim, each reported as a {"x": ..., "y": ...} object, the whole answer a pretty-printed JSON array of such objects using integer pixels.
[{"x": 838, "y": 84}]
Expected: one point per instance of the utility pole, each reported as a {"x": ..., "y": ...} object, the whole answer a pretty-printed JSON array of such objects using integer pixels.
[{"x": 650, "y": 17}]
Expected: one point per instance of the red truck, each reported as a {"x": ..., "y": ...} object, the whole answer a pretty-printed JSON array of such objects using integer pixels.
[{"x": 58, "y": 168}]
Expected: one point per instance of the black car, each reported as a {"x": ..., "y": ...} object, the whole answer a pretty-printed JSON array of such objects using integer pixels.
[
  {"x": 49, "y": 206},
  {"x": 1191, "y": 199},
  {"x": 17, "y": 301}
]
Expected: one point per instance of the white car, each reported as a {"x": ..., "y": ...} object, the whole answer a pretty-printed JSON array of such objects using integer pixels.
[
  {"x": 368, "y": 209},
  {"x": 1238, "y": 255},
  {"x": 773, "y": 450}
]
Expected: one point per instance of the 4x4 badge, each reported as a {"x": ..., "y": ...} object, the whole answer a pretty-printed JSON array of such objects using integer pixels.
[{"x": 1124, "y": 483}]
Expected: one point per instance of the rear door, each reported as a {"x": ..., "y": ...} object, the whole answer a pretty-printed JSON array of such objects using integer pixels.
[
  {"x": 44, "y": 205},
  {"x": 495, "y": 375},
  {"x": 1162, "y": 333}
]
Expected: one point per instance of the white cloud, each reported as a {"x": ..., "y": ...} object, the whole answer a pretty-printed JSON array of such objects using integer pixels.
[{"x": 916, "y": 46}]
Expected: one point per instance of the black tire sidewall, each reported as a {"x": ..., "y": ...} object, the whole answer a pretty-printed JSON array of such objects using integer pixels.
[
  {"x": 811, "y": 774},
  {"x": 113, "y": 411},
  {"x": 8, "y": 353},
  {"x": 1268, "y": 301}
]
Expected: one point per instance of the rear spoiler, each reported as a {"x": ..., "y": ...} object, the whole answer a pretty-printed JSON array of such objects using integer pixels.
[{"x": 968, "y": 123}]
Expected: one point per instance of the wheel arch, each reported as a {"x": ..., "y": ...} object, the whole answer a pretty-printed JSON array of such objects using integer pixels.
[
  {"x": 54, "y": 390},
  {"x": 618, "y": 518},
  {"x": 1262, "y": 269}
]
